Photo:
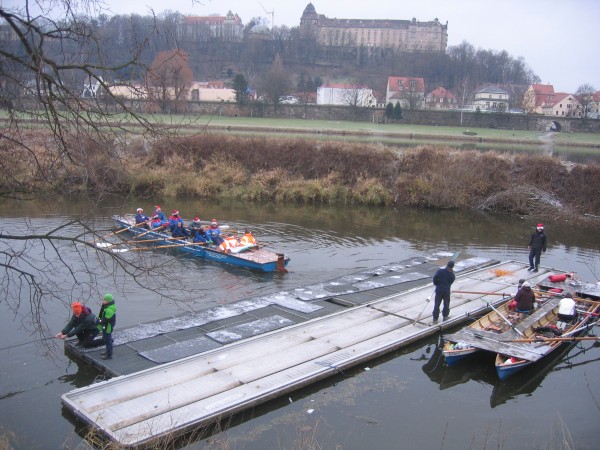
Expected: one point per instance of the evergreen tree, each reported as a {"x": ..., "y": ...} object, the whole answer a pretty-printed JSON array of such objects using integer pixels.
[
  {"x": 397, "y": 114},
  {"x": 389, "y": 110},
  {"x": 240, "y": 86}
]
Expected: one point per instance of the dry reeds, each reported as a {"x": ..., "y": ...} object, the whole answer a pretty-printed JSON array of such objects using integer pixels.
[{"x": 304, "y": 171}]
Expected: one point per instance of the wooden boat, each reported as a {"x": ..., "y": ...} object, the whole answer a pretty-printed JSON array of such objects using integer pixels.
[
  {"x": 455, "y": 349},
  {"x": 519, "y": 339},
  {"x": 541, "y": 335},
  {"x": 251, "y": 257}
]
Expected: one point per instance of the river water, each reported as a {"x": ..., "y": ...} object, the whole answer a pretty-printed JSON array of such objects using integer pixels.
[{"x": 407, "y": 399}]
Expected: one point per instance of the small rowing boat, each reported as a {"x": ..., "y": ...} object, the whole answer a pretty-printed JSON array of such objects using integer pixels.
[
  {"x": 519, "y": 339},
  {"x": 251, "y": 256}
]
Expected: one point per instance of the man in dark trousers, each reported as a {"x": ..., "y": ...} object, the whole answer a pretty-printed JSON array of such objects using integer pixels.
[
  {"x": 442, "y": 280},
  {"x": 537, "y": 245}
]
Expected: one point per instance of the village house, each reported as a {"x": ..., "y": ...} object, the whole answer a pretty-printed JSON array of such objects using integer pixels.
[
  {"x": 210, "y": 91},
  {"x": 440, "y": 98},
  {"x": 491, "y": 99},
  {"x": 408, "y": 91},
  {"x": 594, "y": 108},
  {"x": 536, "y": 96},
  {"x": 563, "y": 105}
]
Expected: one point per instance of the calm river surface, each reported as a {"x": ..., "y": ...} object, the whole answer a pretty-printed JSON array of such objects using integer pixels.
[{"x": 407, "y": 399}]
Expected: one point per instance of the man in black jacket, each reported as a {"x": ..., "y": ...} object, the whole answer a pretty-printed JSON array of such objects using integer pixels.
[
  {"x": 537, "y": 245},
  {"x": 442, "y": 280}
]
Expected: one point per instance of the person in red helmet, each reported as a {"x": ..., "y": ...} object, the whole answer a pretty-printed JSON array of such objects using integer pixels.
[{"x": 537, "y": 245}]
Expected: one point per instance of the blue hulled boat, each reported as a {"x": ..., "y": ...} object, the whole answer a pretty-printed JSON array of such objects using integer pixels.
[{"x": 250, "y": 257}]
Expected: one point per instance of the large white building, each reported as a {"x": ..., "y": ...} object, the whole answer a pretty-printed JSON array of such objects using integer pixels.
[{"x": 338, "y": 94}]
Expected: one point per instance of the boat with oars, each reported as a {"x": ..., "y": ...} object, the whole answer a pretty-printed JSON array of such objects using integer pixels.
[
  {"x": 521, "y": 339},
  {"x": 254, "y": 256}
]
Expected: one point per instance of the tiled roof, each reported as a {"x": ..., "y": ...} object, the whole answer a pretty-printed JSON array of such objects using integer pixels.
[{"x": 396, "y": 83}]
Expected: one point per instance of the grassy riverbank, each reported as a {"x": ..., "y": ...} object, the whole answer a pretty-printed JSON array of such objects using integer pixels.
[{"x": 203, "y": 163}]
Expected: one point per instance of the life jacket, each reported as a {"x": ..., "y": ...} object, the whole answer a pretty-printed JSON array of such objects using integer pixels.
[
  {"x": 228, "y": 244},
  {"x": 247, "y": 239}
]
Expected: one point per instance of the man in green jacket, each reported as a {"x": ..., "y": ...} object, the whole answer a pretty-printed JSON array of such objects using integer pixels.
[
  {"x": 107, "y": 318},
  {"x": 82, "y": 324}
]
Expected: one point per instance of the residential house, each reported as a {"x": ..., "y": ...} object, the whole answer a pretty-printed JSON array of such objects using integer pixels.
[
  {"x": 92, "y": 88},
  {"x": 536, "y": 97},
  {"x": 440, "y": 98},
  {"x": 594, "y": 107},
  {"x": 408, "y": 91},
  {"x": 210, "y": 91},
  {"x": 129, "y": 91},
  {"x": 339, "y": 94},
  {"x": 491, "y": 99},
  {"x": 563, "y": 105}
]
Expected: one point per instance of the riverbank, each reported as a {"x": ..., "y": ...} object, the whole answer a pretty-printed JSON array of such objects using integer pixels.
[{"x": 271, "y": 167}]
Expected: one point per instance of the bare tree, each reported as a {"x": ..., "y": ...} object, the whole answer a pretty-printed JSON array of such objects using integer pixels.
[
  {"x": 170, "y": 78},
  {"x": 357, "y": 98},
  {"x": 585, "y": 96},
  {"x": 276, "y": 82},
  {"x": 49, "y": 133}
]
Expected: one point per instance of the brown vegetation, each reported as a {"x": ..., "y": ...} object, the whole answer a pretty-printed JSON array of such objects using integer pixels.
[{"x": 274, "y": 169}]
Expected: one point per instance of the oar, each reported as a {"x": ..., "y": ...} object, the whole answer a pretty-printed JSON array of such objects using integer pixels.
[
  {"x": 166, "y": 246},
  {"x": 133, "y": 241},
  {"x": 482, "y": 293},
  {"x": 113, "y": 233},
  {"x": 149, "y": 231},
  {"x": 557, "y": 339},
  {"x": 424, "y": 306},
  {"x": 505, "y": 319}
]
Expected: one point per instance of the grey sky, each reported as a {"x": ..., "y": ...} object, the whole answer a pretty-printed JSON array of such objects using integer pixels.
[{"x": 555, "y": 37}]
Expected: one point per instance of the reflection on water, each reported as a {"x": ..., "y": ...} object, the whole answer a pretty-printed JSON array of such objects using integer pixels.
[{"x": 385, "y": 404}]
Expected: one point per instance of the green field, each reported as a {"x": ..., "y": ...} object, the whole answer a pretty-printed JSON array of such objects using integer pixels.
[{"x": 364, "y": 129}]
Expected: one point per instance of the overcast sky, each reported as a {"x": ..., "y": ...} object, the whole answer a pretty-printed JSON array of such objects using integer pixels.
[{"x": 557, "y": 38}]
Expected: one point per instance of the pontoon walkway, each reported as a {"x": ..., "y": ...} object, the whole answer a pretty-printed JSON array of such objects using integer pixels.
[{"x": 175, "y": 397}]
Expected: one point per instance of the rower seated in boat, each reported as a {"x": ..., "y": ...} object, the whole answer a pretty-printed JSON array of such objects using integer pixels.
[
  {"x": 214, "y": 232},
  {"x": 201, "y": 236},
  {"x": 156, "y": 222},
  {"x": 180, "y": 231},
  {"x": 525, "y": 299},
  {"x": 141, "y": 219}
]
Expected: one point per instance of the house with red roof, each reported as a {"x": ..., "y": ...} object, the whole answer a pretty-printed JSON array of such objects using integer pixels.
[
  {"x": 562, "y": 105},
  {"x": 440, "y": 98},
  {"x": 408, "y": 91},
  {"x": 537, "y": 97}
]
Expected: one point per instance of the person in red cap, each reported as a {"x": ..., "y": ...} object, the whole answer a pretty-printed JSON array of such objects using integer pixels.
[
  {"x": 537, "y": 245},
  {"x": 82, "y": 324},
  {"x": 214, "y": 232},
  {"x": 174, "y": 220},
  {"x": 195, "y": 227},
  {"x": 161, "y": 215}
]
